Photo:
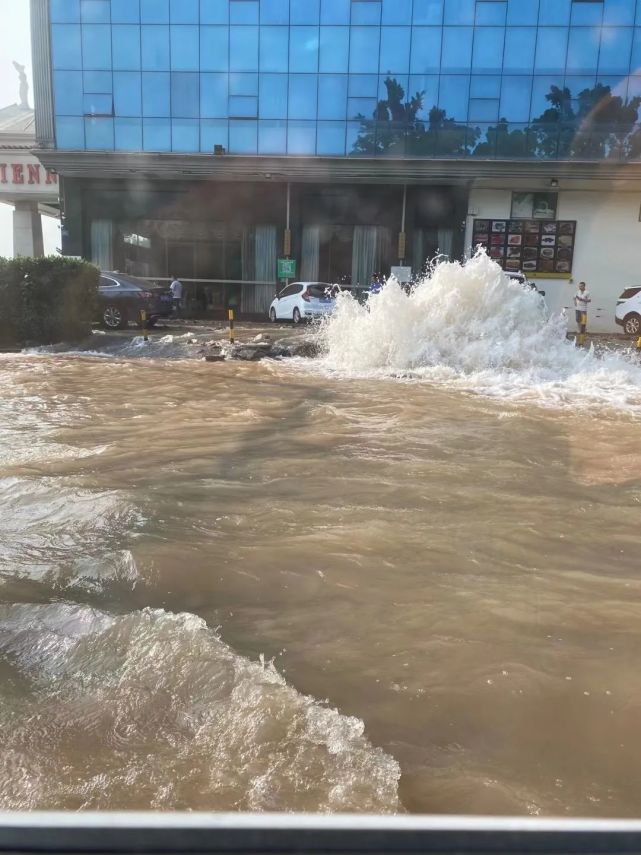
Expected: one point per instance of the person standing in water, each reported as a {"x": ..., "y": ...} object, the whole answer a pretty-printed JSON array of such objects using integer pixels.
[
  {"x": 176, "y": 289},
  {"x": 581, "y": 300}
]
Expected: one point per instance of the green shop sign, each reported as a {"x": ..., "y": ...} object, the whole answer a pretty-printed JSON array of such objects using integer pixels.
[{"x": 286, "y": 268}]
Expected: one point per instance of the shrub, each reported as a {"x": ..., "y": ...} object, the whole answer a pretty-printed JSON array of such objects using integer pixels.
[{"x": 46, "y": 300}]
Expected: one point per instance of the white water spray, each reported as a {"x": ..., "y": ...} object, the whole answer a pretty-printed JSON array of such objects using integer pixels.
[{"x": 469, "y": 326}]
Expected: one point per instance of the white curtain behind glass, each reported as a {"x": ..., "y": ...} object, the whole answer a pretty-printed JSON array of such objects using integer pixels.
[
  {"x": 363, "y": 255},
  {"x": 310, "y": 253},
  {"x": 102, "y": 244},
  {"x": 265, "y": 242},
  {"x": 445, "y": 238}
]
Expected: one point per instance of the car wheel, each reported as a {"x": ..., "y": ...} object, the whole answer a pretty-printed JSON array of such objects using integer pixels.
[
  {"x": 272, "y": 315},
  {"x": 632, "y": 325},
  {"x": 296, "y": 316},
  {"x": 113, "y": 317}
]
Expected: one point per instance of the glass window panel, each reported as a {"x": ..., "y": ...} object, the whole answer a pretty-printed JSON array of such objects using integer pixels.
[
  {"x": 395, "y": 50},
  {"x": 520, "y": 45},
  {"x": 334, "y": 49},
  {"x": 397, "y": 12},
  {"x": 185, "y": 135},
  {"x": 488, "y": 49},
  {"x": 426, "y": 49},
  {"x": 303, "y": 90},
  {"x": 363, "y": 50},
  {"x": 65, "y": 46},
  {"x": 243, "y": 84},
  {"x": 578, "y": 84},
  {"x": 95, "y": 12},
  {"x": 540, "y": 88},
  {"x": 212, "y": 133},
  {"x": 363, "y": 86},
  {"x": 361, "y": 107},
  {"x": 427, "y": 84},
  {"x": 401, "y": 79},
  {"x": 516, "y": 93},
  {"x": 214, "y": 12},
  {"x": 583, "y": 49},
  {"x": 634, "y": 87},
  {"x": 304, "y": 11},
  {"x": 330, "y": 138},
  {"x": 185, "y": 94},
  {"x": 484, "y": 86},
  {"x": 332, "y": 96},
  {"x": 491, "y": 13},
  {"x": 96, "y": 45},
  {"x": 352, "y": 133},
  {"x": 301, "y": 137},
  {"x": 127, "y": 93},
  {"x": 243, "y": 48},
  {"x": 214, "y": 92},
  {"x": 184, "y": 48},
  {"x": 65, "y": 11},
  {"x": 368, "y": 12},
  {"x": 68, "y": 91},
  {"x": 243, "y": 12},
  {"x": 636, "y": 50},
  {"x": 243, "y": 137},
  {"x": 273, "y": 96},
  {"x": 243, "y": 106},
  {"x": 156, "y": 134},
  {"x": 272, "y": 137},
  {"x": 459, "y": 11},
  {"x": 335, "y": 11},
  {"x": 154, "y": 11},
  {"x": 97, "y": 104},
  {"x": 303, "y": 49},
  {"x": 614, "y": 55},
  {"x": 70, "y": 133},
  {"x": 554, "y": 12},
  {"x": 99, "y": 134},
  {"x": 126, "y": 47},
  {"x": 128, "y": 134},
  {"x": 274, "y": 12},
  {"x": 97, "y": 81},
  {"x": 586, "y": 14},
  {"x": 155, "y": 48},
  {"x": 428, "y": 12},
  {"x": 551, "y": 49},
  {"x": 214, "y": 48},
  {"x": 125, "y": 11},
  {"x": 184, "y": 12},
  {"x": 519, "y": 12},
  {"x": 483, "y": 110},
  {"x": 454, "y": 95},
  {"x": 618, "y": 12},
  {"x": 457, "y": 48},
  {"x": 274, "y": 48},
  {"x": 156, "y": 93}
]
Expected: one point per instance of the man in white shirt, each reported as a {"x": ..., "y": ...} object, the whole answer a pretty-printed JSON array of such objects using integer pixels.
[
  {"x": 581, "y": 300},
  {"x": 176, "y": 289}
]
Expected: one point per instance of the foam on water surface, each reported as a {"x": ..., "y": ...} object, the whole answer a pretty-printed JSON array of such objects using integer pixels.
[{"x": 468, "y": 326}]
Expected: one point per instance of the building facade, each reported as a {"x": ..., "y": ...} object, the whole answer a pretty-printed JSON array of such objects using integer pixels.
[{"x": 208, "y": 138}]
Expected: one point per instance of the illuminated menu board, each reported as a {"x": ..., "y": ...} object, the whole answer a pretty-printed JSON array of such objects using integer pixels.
[{"x": 542, "y": 248}]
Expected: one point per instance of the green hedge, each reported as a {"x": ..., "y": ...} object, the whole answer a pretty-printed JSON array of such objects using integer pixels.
[{"x": 46, "y": 300}]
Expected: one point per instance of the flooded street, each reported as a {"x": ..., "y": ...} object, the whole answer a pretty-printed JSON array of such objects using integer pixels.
[{"x": 264, "y": 586}]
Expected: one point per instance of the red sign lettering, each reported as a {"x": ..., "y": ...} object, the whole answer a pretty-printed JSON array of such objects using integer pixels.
[
  {"x": 52, "y": 177},
  {"x": 18, "y": 173},
  {"x": 34, "y": 173},
  {"x": 3, "y": 173}
]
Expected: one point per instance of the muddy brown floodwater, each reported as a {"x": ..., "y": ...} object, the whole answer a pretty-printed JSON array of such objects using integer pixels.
[{"x": 240, "y": 586}]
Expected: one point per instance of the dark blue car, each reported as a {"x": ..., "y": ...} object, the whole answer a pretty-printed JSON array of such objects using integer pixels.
[{"x": 122, "y": 297}]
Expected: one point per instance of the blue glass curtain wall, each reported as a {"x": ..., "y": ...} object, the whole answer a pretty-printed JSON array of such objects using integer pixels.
[{"x": 348, "y": 77}]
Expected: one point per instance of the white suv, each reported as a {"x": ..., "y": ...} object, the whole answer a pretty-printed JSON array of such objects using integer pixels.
[
  {"x": 302, "y": 300},
  {"x": 628, "y": 311}
]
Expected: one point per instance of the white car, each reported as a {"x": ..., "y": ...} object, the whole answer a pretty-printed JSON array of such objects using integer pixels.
[
  {"x": 302, "y": 301},
  {"x": 628, "y": 311}
]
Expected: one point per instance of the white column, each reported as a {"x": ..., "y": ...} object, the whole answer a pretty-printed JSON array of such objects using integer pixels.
[{"x": 27, "y": 230}]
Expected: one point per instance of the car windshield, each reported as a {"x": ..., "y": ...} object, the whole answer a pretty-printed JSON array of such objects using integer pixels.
[{"x": 272, "y": 544}]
